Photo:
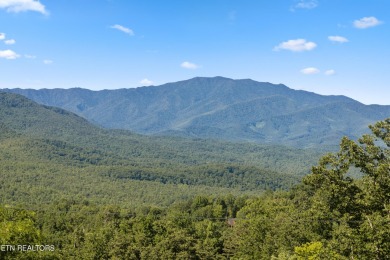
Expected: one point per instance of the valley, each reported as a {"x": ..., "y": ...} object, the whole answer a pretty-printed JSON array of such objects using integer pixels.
[{"x": 78, "y": 190}]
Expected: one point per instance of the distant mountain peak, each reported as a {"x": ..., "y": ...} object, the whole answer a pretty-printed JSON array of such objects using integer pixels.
[{"x": 222, "y": 108}]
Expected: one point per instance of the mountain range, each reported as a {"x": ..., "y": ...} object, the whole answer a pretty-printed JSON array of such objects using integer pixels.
[
  {"x": 48, "y": 153},
  {"x": 220, "y": 108}
]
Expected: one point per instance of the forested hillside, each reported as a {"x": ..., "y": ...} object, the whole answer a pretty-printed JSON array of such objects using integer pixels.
[
  {"x": 328, "y": 216},
  {"x": 220, "y": 108},
  {"x": 48, "y": 153}
]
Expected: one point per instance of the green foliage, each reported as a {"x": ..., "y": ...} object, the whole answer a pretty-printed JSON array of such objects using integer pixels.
[
  {"x": 86, "y": 231},
  {"x": 361, "y": 207},
  {"x": 48, "y": 153},
  {"x": 309, "y": 251},
  {"x": 18, "y": 228},
  {"x": 331, "y": 216},
  {"x": 116, "y": 195}
]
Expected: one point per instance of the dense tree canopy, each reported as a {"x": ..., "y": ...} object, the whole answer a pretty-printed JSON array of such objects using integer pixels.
[{"x": 93, "y": 202}]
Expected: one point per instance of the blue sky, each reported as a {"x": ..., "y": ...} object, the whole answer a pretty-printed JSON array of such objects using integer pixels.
[{"x": 337, "y": 47}]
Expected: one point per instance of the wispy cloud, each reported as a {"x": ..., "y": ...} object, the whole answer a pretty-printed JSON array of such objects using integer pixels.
[
  {"x": 123, "y": 29},
  {"x": 2, "y": 36},
  {"x": 305, "y": 4},
  {"x": 146, "y": 82},
  {"x": 297, "y": 45},
  {"x": 9, "y": 55},
  {"x": 48, "y": 62},
  {"x": 310, "y": 71},
  {"x": 10, "y": 41},
  {"x": 366, "y": 22},
  {"x": 330, "y": 72},
  {"x": 28, "y": 56},
  {"x": 339, "y": 39},
  {"x": 16, "y": 6},
  {"x": 189, "y": 65}
]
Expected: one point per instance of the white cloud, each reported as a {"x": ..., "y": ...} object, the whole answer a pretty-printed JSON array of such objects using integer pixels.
[
  {"x": 366, "y": 22},
  {"x": 9, "y": 55},
  {"x": 16, "y": 6},
  {"x": 10, "y": 41},
  {"x": 189, "y": 65},
  {"x": 2, "y": 35},
  {"x": 305, "y": 4},
  {"x": 310, "y": 71},
  {"x": 123, "y": 29},
  {"x": 296, "y": 45},
  {"x": 339, "y": 39},
  {"x": 27, "y": 56},
  {"x": 330, "y": 72},
  {"x": 146, "y": 82},
  {"x": 48, "y": 62}
]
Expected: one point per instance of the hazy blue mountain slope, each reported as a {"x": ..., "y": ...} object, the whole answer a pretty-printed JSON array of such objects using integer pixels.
[{"x": 220, "y": 108}]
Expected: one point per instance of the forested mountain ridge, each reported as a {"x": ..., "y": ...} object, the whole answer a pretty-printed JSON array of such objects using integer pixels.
[
  {"x": 63, "y": 155},
  {"x": 23, "y": 117},
  {"x": 220, "y": 108}
]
